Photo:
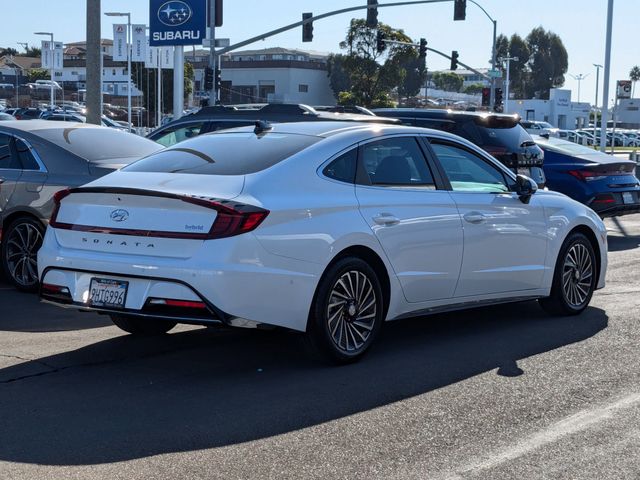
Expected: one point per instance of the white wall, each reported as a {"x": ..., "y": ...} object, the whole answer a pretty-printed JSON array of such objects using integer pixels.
[{"x": 559, "y": 110}]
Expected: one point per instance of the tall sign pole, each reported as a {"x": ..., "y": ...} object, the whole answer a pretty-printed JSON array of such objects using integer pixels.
[
  {"x": 213, "y": 94},
  {"x": 94, "y": 72},
  {"x": 607, "y": 72},
  {"x": 178, "y": 81}
]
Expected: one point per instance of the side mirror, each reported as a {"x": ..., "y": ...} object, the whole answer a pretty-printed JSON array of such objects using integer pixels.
[{"x": 525, "y": 187}]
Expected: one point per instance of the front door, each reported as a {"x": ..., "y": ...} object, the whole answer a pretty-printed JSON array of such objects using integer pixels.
[
  {"x": 417, "y": 225},
  {"x": 505, "y": 240}
]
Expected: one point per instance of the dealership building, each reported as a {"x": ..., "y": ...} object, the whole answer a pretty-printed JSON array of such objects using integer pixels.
[{"x": 559, "y": 110}]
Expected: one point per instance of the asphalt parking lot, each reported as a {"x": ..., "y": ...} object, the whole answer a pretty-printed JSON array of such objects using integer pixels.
[{"x": 496, "y": 393}]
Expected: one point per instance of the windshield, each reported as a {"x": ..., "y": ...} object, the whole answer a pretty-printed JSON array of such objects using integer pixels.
[{"x": 99, "y": 143}]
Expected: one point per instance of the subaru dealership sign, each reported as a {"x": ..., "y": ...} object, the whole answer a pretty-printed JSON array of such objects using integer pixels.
[{"x": 177, "y": 22}]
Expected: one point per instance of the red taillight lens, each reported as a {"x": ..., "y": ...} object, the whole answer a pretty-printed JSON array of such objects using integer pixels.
[
  {"x": 586, "y": 175},
  {"x": 232, "y": 219},
  {"x": 57, "y": 198},
  {"x": 605, "y": 198}
]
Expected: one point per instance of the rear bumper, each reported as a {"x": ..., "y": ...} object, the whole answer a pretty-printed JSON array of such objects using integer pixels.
[
  {"x": 236, "y": 279},
  {"x": 617, "y": 207}
]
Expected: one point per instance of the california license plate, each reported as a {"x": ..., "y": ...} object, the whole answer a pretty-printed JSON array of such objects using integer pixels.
[
  {"x": 627, "y": 197},
  {"x": 104, "y": 292}
]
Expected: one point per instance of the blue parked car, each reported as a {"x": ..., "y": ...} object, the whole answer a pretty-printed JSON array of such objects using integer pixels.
[{"x": 603, "y": 182}]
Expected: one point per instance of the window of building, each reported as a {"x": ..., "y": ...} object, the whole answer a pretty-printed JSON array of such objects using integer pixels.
[
  {"x": 113, "y": 72},
  {"x": 302, "y": 88}
]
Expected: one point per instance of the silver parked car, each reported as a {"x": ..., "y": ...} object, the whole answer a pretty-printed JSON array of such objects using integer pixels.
[{"x": 39, "y": 158}]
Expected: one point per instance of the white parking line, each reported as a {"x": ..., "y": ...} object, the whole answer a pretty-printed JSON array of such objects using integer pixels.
[{"x": 570, "y": 425}]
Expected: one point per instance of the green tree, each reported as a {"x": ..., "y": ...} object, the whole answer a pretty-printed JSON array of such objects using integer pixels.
[
  {"x": 518, "y": 70},
  {"x": 634, "y": 76},
  {"x": 33, "y": 52},
  {"x": 339, "y": 77},
  {"x": 548, "y": 62},
  {"x": 473, "y": 89},
  {"x": 448, "y": 81},
  {"x": 370, "y": 75},
  {"x": 37, "y": 74},
  {"x": 8, "y": 51}
]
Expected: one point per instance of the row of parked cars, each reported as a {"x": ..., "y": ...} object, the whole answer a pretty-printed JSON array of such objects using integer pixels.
[
  {"x": 585, "y": 136},
  {"x": 333, "y": 210}
]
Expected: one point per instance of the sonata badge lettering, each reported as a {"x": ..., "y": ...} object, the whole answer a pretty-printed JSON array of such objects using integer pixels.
[{"x": 119, "y": 215}]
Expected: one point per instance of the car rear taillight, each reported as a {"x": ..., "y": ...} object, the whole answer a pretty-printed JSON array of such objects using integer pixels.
[
  {"x": 232, "y": 219},
  {"x": 604, "y": 199},
  {"x": 586, "y": 175},
  {"x": 178, "y": 303},
  {"x": 495, "y": 151},
  {"x": 57, "y": 198}
]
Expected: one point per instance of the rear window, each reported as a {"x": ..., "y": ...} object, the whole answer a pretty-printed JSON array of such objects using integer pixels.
[
  {"x": 225, "y": 154},
  {"x": 96, "y": 144},
  {"x": 505, "y": 135}
]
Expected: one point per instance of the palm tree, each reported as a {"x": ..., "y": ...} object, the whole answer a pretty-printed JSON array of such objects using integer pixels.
[{"x": 634, "y": 76}]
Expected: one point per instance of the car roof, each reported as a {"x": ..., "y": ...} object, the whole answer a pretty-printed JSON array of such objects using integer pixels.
[
  {"x": 35, "y": 125},
  {"x": 329, "y": 129},
  {"x": 440, "y": 113}
]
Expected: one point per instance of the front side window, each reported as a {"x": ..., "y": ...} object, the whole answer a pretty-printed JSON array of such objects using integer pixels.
[
  {"x": 175, "y": 135},
  {"x": 396, "y": 161},
  {"x": 468, "y": 172}
]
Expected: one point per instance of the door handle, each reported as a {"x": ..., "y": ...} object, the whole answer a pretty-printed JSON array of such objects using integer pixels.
[
  {"x": 386, "y": 219},
  {"x": 474, "y": 217}
]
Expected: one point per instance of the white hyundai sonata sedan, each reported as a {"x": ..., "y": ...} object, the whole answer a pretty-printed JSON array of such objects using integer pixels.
[{"x": 324, "y": 228}]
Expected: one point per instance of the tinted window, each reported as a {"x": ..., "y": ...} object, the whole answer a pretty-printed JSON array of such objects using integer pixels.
[
  {"x": 467, "y": 172},
  {"x": 225, "y": 154},
  {"x": 504, "y": 135},
  {"x": 435, "y": 123},
  {"x": 215, "y": 126},
  {"x": 396, "y": 161},
  {"x": 343, "y": 168},
  {"x": 177, "y": 134},
  {"x": 26, "y": 157},
  {"x": 5, "y": 151},
  {"x": 99, "y": 143}
]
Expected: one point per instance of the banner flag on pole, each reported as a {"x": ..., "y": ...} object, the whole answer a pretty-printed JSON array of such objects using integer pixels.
[
  {"x": 138, "y": 43},
  {"x": 46, "y": 58},
  {"x": 119, "y": 42},
  {"x": 58, "y": 55}
]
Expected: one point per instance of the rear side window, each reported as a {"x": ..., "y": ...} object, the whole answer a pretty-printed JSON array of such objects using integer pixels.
[
  {"x": 5, "y": 151},
  {"x": 396, "y": 161},
  {"x": 26, "y": 157},
  {"x": 343, "y": 168},
  {"x": 225, "y": 154}
]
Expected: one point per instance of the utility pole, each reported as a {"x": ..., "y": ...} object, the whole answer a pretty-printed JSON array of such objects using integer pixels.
[
  {"x": 213, "y": 94},
  {"x": 93, "y": 95},
  {"x": 607, "y": 72},
  {"x": 507, "y": 59}
]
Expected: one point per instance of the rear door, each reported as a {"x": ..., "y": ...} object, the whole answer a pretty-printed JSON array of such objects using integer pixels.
[
  {"x": 416, "y": 223},
  {"x": 10, "y": 171},
  {"x": 505, "y": 240}
]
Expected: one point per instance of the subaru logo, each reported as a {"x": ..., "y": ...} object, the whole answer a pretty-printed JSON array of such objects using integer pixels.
[
  {"x": 174, "y": 13},
  {"x": 119, "y": 215}
]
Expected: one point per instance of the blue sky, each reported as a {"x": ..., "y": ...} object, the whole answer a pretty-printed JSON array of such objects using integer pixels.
[{"x": 580, "y": 23}]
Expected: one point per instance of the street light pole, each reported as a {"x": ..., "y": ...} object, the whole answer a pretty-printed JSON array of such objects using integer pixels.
[
  {"x": 579, "y": 78},
  {"x": 51, "y": 70},
  {"x": 595, "y": 105},
  {"x": 129, "y": 35},
  {"x": 493, "y": 52}
]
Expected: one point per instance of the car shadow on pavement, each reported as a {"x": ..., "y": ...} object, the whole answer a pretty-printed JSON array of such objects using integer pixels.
[
  {"x": 618, "y": 243},
  {"x": 128, "y": 398},
  {"x": 41, "y": 317}
]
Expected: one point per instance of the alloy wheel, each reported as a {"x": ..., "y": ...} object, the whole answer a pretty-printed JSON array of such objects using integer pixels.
[
  {"x": 23, "y": 242},
  {"x": 577, "y": 275},
  {"x": 351, "y": 311}
]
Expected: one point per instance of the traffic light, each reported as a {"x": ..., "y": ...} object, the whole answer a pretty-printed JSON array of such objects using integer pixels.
[
  {"x": 307, "y": 28},
  {"x": 218, "y": 12},
  {"x": 218, "y": 79},
  {"x": 498, "y": 100},
  {"x": 422, "y": 53},
  {"x": 454, "y": 60},
  {"x": 459, "y": 9},
  {"x": 380, "y": 41},
  {"x": 486, "y": 96},
  {"x": 208, "y": 78},
  {"x": 372, "y": 13}
]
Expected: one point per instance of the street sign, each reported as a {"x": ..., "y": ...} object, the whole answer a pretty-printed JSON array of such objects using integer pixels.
[
  {"x": 495, "y": 73},
  {"x": 624, "y": 89},
  {"x": 177, "y": 22}
]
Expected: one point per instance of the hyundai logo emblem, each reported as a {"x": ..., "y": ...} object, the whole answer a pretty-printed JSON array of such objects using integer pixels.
[
  {"x": 174, "y": 13},
  {"x": 119, "y": 215}
]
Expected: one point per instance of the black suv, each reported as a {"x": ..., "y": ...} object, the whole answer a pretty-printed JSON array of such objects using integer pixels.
[
  {"x": 210, "y": 119},
  {"x": 500, "y": 135}
]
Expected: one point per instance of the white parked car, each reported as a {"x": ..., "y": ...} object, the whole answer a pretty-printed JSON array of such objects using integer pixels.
[{"x": 327, "y": 228}]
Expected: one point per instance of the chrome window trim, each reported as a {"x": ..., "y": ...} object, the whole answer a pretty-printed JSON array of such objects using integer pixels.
[{"x": 33, "y": 152}]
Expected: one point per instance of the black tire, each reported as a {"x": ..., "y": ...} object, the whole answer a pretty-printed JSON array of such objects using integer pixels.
[
  {"x": 343, "y": 332},
  {"x": 574, "y": 277},
  {"x": 142, "y": 326},
  {"x": 20, "y": 244}
]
